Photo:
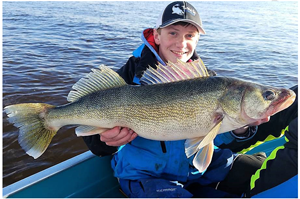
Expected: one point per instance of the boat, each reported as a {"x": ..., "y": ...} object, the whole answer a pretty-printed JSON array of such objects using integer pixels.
[{"x": 85, "y": 176}]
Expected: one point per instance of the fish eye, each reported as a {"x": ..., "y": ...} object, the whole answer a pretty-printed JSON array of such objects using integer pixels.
[{"x": 269, "y": 95}]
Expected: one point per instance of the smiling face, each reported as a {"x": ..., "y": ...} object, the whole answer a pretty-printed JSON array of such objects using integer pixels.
[{"x": 176, "y": 42}]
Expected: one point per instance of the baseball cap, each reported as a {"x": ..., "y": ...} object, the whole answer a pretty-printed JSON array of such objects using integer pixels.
[{"x": 179, "y": 11}]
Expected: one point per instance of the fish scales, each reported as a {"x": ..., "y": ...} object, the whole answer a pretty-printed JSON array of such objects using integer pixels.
[{"x": 161, "y": 111}]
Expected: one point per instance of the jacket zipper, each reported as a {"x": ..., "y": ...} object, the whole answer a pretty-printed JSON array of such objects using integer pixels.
[{"x": 163, "y": 146}]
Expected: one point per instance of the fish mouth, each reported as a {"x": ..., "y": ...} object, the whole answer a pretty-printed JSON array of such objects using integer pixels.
[{"x": 287, "y": 98}]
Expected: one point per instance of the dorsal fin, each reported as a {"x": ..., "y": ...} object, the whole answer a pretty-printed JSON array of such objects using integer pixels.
[
  {"x": 174, "y": 72},
  {"x": 97, "y": 80}
]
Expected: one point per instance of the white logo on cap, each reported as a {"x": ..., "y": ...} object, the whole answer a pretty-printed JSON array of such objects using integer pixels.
[{"x": 177, "y": 10}]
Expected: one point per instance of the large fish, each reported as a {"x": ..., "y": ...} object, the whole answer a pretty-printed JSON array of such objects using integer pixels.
[{"x": 177, "y": 101}]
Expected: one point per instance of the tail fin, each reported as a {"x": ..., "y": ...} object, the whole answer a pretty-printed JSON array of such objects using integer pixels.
[{"x": 34, "y": 136}]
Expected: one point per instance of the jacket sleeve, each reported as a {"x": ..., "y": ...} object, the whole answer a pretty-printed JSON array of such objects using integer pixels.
[
  {"x": 97, "y": 147},
  {"x": 272, "y": 129},
  {"x": 93, "y": 142}
]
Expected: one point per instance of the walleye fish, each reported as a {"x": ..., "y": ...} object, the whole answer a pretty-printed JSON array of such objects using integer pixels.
[{"x": 178, "y": 101}]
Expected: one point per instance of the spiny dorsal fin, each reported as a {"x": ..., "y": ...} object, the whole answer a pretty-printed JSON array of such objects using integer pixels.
[
  {"x": 174, "y": 72},
  {"x": 97, "y": 80}
]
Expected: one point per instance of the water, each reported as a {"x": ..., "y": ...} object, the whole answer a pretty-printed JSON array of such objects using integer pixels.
[{"x": 48, "y": 46}]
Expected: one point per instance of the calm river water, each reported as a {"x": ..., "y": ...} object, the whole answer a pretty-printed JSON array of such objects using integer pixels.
[{"x": 48, "y": 46}]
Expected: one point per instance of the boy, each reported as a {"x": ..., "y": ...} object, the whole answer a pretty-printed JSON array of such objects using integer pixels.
[{"x": 148, "y": 168}]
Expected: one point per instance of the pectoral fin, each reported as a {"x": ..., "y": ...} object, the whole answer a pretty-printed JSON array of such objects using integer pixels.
[
  {"x": 206, "y": 148},
  {"x": 203, "y": 158},
  {"x": 210, "y": 136},
  {"x": 89, "y": 130}
]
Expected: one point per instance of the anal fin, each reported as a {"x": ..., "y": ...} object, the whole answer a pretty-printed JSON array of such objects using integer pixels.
[{"x": 89, "y": 130}]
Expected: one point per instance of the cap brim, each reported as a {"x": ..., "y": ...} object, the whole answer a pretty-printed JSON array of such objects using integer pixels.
[{"x": 200, "y": 29}]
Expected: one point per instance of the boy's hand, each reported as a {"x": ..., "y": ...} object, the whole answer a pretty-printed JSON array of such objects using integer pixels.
[
  {"x": 245, "y": 128},
  {"x": 117, "y": 136}
]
